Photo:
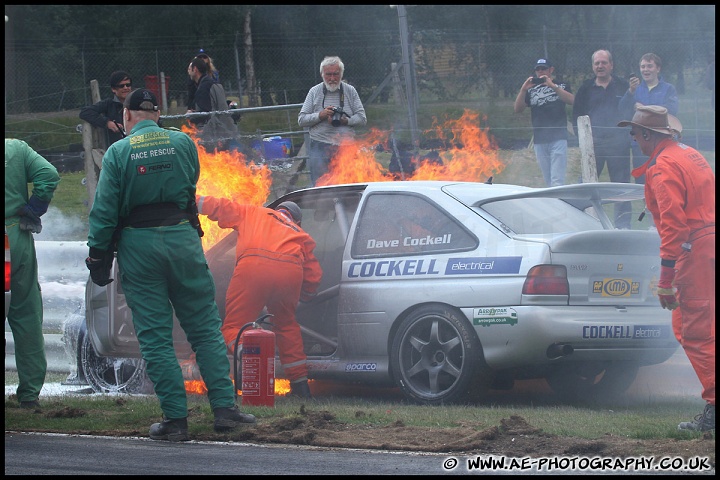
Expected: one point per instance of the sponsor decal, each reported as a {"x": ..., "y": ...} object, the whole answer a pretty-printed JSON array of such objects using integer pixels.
[
  {"x": 483, "y": 265},
  {"x": 410, "y": 242},
  {"x": 154, "y": 168},
  {"x": 626, "y": 331},
  {"x": 361, "y": 367},
  {"x": 392, "y": 268},
  {"x": 616, "y": 287},
  {"x": 487, "y": 316}
]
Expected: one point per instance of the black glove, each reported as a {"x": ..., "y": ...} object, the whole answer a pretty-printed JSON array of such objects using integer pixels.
[
  {"x": 30, "y": 214},
  {"x": 29, "y": 221},
  {"x": 100, "y": 264}
]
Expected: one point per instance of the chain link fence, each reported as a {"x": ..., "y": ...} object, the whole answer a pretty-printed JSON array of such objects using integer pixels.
[{"x": 447, "y": 69}]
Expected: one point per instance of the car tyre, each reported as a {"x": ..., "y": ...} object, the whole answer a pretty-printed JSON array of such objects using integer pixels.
[
  {"x": 111, "y": 374},
  {"x": 436, "y": 357},
  {"x": 592, "y": 383}
]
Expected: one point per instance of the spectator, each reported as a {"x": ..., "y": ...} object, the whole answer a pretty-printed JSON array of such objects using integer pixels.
[
  {"x": 599, "y": 98},
  {"x": 651, "y": 90},
  {"x": 107, "y": 114},
  {"x": 147, "y": 213},
  {"x": 547, "y": 99},
  {"x": 218, "y": 130},
  {"x": 192, "y": 86},
  {"x": 24, "y": 165},
  {"x": 318, "y": 112},
  {"x": 680, "y": 193},
  {"x": 277, "y": 254}
]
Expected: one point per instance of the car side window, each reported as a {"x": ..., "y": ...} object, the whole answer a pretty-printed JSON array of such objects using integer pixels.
[{"x": 393, "y": 224}]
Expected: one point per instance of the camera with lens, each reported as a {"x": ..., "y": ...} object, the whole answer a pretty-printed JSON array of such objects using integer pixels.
[
  {"x": 538, "y": 80},
  {"x": 337, "y": 115}
]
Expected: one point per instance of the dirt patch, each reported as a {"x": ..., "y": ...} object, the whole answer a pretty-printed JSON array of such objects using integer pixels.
[{"x": 513, "y": 437}]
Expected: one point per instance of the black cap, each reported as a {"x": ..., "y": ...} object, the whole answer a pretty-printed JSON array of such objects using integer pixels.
[
  {"x": 141, "y": 99},
  {"x": 543, "y": 62}
]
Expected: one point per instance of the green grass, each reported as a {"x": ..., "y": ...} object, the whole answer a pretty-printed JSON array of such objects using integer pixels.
[{"x": 124, "y": 414}]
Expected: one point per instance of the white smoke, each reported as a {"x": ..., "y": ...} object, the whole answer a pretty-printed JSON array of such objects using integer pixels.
[{"x": 57, "y": 226}]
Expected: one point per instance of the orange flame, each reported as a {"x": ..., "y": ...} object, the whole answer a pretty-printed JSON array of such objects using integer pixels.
[
  {"x": 472, "y": 156},
  {"x": 227, "y": 174}
]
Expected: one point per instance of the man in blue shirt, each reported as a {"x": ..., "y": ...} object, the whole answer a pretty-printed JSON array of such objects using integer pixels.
[{"x": 599, "y": 98}]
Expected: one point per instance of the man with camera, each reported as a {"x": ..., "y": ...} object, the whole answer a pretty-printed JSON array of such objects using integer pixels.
[
  {"x": 547, "y": 99},
  {"x": 330, "y": 111}
]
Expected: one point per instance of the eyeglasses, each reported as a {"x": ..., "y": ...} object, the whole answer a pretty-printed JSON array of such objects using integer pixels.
[
  {"x": 540, "y": 68},
  {"x": 331, "y": 74},
  {"x": 124, "y": 85}
]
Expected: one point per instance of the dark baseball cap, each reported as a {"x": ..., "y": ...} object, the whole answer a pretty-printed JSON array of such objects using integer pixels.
[
  {"x": 543, "y": 62},
  {"x": 141, "y": 99}
]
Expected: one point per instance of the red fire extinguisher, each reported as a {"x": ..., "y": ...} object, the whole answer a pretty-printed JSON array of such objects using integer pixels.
[{"x": 257, "y": 357}]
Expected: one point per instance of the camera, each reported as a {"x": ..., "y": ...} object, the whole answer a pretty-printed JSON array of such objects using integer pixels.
[
  {"x": 632, "y": 75},
  {"x": 337, "y": 115},
  {"x": 538, "y": 80}
]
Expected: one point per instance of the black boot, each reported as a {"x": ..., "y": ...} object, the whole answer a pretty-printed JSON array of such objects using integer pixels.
[
  {"x": 300, "y": 389},
  {"x": 175, "y": 430},
  {"x": 703, "y": 422},
  {"x": 228, "y": 418}
]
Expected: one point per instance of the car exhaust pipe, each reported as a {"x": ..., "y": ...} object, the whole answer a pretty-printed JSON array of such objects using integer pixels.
[{"x": 557, "y": 350}]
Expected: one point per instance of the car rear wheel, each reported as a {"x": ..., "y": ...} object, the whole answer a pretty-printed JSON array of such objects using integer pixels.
[
  {"x": 592, "y": 382},
  {"x": 436, "y": 357},
  {"x": 111, "y": 374}
]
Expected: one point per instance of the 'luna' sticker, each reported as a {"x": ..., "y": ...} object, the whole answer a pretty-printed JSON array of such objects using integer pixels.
[{"x": 487, "y": 316}]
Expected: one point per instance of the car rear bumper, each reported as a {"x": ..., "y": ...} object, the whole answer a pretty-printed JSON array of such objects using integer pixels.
[{"x": 537, "y": 335}]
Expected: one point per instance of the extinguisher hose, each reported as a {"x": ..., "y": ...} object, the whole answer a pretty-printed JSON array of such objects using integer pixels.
[{"x": 257, "y": 323}]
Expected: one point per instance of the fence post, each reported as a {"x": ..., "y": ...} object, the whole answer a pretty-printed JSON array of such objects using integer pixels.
[
  {"x": 93, "y": 141},
  {"x": 587, "y": 150}
]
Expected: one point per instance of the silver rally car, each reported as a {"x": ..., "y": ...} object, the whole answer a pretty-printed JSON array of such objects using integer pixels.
[{"x": 447, "y": 289}]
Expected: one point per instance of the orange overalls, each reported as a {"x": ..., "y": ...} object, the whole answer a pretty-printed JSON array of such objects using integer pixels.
[
  {"x": 680, "y": 194},
  {"x": 275, "y": 268}
]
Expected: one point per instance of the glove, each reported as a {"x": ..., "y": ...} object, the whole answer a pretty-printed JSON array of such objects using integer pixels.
[
  {"x": 100, "y": 264},
  {"x": 30, "y": 214},
  {"x": 665, "y": 291},
  {"x": 29, "y": 221}
]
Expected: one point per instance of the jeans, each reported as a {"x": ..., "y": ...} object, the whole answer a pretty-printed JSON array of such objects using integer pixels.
[
  {"x": 319, "y": 159},
  {"x": 552, "y": 158}
]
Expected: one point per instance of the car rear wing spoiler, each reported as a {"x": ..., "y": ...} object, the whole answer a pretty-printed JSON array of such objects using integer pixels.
[{"x": 582, "y": 196}]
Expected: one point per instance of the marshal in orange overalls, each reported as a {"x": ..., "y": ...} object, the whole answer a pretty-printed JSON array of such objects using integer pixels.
[
  {"x": 275, "y": 268},
  {"x": 680, "y": 194}
]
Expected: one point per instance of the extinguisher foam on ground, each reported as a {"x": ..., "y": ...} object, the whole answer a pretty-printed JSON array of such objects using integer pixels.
[{"x": 258, "y": 367}]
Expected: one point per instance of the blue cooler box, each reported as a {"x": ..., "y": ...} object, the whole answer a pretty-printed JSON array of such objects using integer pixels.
[{"x": 275, "y": 147}]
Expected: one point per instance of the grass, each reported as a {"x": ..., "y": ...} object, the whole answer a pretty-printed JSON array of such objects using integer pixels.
[{"x": 123, "y": 414}]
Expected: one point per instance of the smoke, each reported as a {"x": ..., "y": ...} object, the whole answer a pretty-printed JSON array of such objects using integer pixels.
[{"x": 57, "y": 226}]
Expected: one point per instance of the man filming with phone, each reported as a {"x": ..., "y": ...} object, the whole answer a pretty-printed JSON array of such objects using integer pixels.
[
  {"x": 331, "y": 110},
  {"x": 547, "y": 99}
]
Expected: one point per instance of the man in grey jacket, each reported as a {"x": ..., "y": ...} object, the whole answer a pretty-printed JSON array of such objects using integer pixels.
[{"x": 331, "y": 110}]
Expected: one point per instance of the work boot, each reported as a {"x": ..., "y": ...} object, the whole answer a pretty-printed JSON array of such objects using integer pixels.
[
  {"x": 300, "y": 389},
  {"x": 30, "y": 404},
  {"x": 228, "y": 418},
  {"x": 703, "y": 421},
  {"x": 175, "y": 430}
]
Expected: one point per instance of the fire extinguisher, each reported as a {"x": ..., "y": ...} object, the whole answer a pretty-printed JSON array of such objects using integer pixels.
[{"x": 256, "y": 348}]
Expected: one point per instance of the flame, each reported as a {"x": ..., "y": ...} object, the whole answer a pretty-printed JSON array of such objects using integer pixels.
[
  {"x": 472, "y": 155},
  {"x": 227, "y": 174}
]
